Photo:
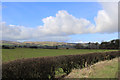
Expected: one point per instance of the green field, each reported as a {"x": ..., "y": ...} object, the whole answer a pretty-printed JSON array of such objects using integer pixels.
[{"x": 18, "y": 53}]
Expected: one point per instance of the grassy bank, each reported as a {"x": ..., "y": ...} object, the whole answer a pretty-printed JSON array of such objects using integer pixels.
[{"x": 103, "y": 69}]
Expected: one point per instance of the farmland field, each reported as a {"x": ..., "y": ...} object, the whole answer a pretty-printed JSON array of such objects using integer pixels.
[{"x": 19, "y": 53}]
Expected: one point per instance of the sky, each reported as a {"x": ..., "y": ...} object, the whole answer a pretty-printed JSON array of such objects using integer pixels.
[
  {"x": 59, "y": 21},
  {"x": 60, "y": 0}
]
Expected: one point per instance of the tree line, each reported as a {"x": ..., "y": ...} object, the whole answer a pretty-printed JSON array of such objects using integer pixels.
[{"x": 113, "y": 44}]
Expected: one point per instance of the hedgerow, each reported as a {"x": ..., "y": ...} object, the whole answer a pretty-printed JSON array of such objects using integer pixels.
[{"x": 45, "y": 67}]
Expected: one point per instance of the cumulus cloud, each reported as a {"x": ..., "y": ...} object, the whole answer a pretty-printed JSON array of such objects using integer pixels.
[
  {"x": 80, "y": 42},
  {"x": 13, "y": 32},
  {"x": 110, "y": 17},
  {"x": 64, "y": 24}
]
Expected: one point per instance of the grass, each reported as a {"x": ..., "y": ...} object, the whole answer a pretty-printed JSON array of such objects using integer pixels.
[
  {"x": 109, "y": 70},
  {"x": 103, "y": 69},
  {"x": 59, "y": 72},
  {"x": 18, "y": 53}
]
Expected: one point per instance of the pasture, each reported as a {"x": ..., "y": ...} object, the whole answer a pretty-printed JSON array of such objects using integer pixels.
[{"x": 19, "y": 53}]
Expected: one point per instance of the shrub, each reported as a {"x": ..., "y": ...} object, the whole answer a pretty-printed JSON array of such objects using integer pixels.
[
  {"x": 44, "y": 67},
  {"x": 8, "y": 47}
]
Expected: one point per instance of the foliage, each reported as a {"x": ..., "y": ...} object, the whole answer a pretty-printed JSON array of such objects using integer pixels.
[
  {"x": 44, "y": 67},
  {"x": 113, "y": 44}
]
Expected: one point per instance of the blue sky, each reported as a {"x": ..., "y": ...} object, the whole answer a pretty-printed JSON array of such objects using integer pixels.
[{"x": 30, "y": 14}]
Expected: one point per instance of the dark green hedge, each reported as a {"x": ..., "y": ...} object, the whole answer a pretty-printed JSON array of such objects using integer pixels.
[{"x": 44, "y": 67}]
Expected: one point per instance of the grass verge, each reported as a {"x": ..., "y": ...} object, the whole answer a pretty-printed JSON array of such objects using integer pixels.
[{"x": 103, "y": 69}]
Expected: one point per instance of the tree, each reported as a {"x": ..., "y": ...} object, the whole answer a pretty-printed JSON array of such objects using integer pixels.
[
  {"x": 96, "y": 44},
  {"x": 89, "y": 45},
  {"x": 78, "y": 46},
  {"x": 56, "y": 47}
]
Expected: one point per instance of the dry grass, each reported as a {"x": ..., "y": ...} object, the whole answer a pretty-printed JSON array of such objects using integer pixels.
[{"x": 103, "y": 69}]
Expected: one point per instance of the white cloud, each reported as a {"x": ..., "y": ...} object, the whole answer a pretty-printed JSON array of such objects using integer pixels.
[
  {"x": 110, "y": 17},
  {"x": 80, "y": 42},
  {"x": 63, "y": 25},
  {"x": 13, "y": 32},
  {"x": 104, "y": 23}
]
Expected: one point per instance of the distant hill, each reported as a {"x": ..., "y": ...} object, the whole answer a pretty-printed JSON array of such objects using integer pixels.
[
  {"x": 4, "y": 42},
  {"x": 45, "y": 43}
]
